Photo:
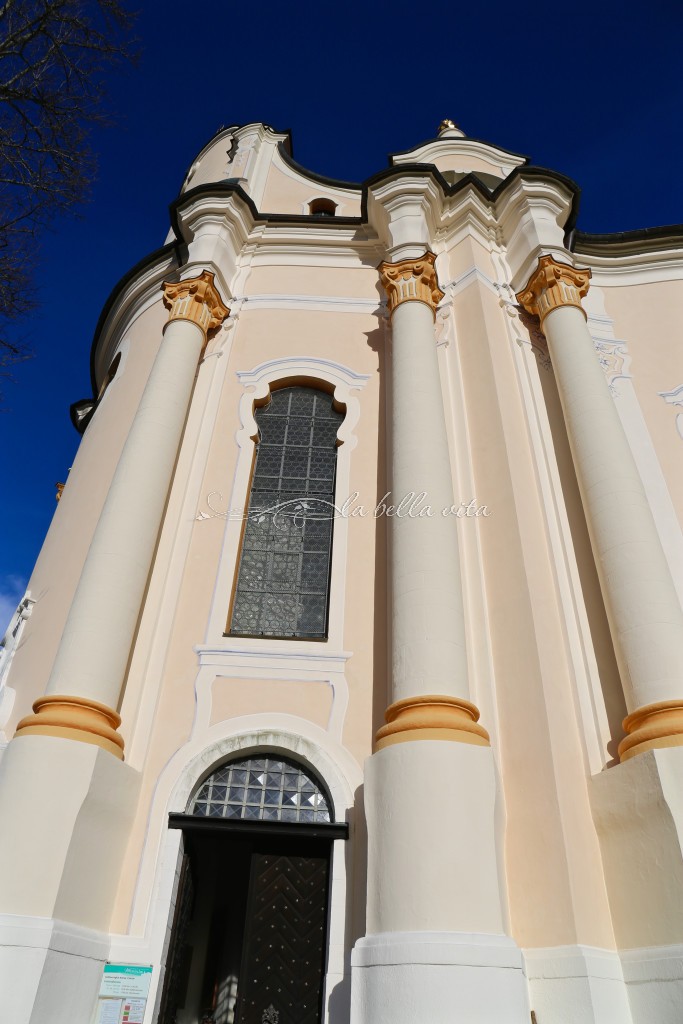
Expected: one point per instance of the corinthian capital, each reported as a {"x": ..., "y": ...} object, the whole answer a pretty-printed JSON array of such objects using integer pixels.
[
  {"x": 411, "y": 280},
  {"x": 195, "y": 299},
  {"x": 551, "y": 285}
]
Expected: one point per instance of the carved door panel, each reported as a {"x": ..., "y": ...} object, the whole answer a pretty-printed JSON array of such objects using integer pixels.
[{"x": 283, "y": 960}]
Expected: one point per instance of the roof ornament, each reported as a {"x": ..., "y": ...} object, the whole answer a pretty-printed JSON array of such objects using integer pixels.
[{"x": 449, "y": 130}]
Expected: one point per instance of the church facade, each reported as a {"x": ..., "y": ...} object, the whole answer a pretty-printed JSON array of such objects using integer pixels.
[{"x": 348, "y": 685}]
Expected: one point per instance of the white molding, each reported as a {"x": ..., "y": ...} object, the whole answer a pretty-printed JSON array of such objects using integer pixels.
[
  {"x": 257, "y": 383},
  {"x": 152, "y": 901},
  {"x": 318, "y": 303}
]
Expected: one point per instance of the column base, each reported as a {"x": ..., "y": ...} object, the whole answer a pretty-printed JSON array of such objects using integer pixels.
[
  {"x": 654, "y": 979},
  {"x": 652, "y": 727},
  {"x": 49, "y": 970},
  {"x": 66, "y": 809},
  {"x": 74, "y": 718},
  {"x": 638, "y": 812},
  {"x": 438, "y": 978},
  {"x": 577, "y": 983},
  {"x": 432, "y": 717}
]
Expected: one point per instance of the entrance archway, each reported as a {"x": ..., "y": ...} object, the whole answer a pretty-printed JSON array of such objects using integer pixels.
[{"x": 249, "y": 936}]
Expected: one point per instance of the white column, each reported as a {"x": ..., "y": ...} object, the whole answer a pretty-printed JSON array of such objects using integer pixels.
[
  {"x": 641, "y": 601},
  {"x": 435, "y": 949},
  {"x": 429, "y": 684},
  {"x": 89, "y": 669}
]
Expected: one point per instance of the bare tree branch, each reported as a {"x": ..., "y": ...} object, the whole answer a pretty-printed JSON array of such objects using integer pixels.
[{"x": 54, "y": 58}]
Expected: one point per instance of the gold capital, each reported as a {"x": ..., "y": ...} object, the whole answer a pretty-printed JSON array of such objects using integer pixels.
[
  {"x": 432, "y": 717},
  {"x": 195, "y": 299},
  {"x": 553, "y": 284},
  {"x": 74, "y": 718},
  {"x": 411, "y": 281},
  {"x": 652, "y": 727}
]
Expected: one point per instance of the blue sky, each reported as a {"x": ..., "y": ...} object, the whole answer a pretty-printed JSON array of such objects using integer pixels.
[{"x": 593, "y": 91}]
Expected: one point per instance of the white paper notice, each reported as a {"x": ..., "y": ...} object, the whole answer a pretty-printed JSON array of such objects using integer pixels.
[
  {"x": 133, "y": 1011},
  {"x": 109, "y": 1011}
]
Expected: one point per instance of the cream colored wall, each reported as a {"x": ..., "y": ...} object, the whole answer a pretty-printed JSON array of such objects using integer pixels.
[
  {"x": 287, "y": 192},
  {"x": 551, "y": 849},
  {"x": 57, "y": 570},
  {"x": 354, "y": 340},
  {"x": 648, "y": 318}
]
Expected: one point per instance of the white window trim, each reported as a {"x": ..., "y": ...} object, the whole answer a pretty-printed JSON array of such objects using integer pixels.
[{"x": 257, "y": 384}]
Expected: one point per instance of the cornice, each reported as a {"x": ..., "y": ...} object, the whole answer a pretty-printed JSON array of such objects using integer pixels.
[{"x": 491, "y": 149}]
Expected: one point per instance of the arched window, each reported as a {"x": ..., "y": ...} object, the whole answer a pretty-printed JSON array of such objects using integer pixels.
[
  {"x": 323, "y": 207},
  {"x": 284, "y": 571},
  {"x": 264, "y": 788}
]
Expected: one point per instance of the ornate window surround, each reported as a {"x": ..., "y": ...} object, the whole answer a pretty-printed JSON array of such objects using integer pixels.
[{"x": 344, "y": 383}]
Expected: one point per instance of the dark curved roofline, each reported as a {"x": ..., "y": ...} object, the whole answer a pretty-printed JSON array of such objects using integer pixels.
[
  {"x": 469, "y": 138},
  {"x": 322, "y": 179},
  {"x": 639, "y": 240},
  {"x": 644, "y": 239},
  {"x": 178, "y": 248}
]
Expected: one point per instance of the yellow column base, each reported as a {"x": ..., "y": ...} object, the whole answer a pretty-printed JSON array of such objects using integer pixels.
[
  {"x": 431, "y": 717},
  {"x": 74, "y": 718},
  {"x": 651, "y": 727}
]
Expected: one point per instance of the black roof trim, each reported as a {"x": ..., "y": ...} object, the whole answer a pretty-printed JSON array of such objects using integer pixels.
[
  {"x": 171, "y": 249},
  {"x": 321, "y": 179},
  {"x": 640, "y": 240},
  {"x": 178, "y": 248},
  {"x": 293, "y": 829},
  {"x": 468, "y": 138}
]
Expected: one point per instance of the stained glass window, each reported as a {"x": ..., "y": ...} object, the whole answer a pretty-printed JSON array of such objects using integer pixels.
[
  {"x": 269, "y": 788},
  {"x": 284, "y": 571}
]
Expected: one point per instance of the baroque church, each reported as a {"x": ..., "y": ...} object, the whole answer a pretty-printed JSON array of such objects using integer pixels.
[{"x": 348, "y": 685}]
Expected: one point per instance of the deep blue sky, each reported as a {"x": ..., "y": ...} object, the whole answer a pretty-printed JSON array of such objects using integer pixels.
[{"x": 592, "y": 90}]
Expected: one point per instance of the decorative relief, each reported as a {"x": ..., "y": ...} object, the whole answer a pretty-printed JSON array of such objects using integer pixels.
[
  {"x": 675, "y": 397},
  {"x": 270, "y": 1016},
  {"x": 554, "y": 284},
  {"x": 615, "y": 361},
  {"x": 445, "y": 319},
  {"x": 411, "y": 281},
  {"x": 539, "y": 346},
  {"x": 195, "y": 299}
]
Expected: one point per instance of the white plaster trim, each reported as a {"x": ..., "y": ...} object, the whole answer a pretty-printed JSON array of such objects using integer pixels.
[
  {"x": 579, "y": 961},
  {"x": 675, "y": 398},
  {"x": 318, "y": 303},
  {"x": 653, "y": 963},
  {"x": 273, "y": 666},
  {"x": 627, "y": 271},
  {"x": 468, "y": 277},
  {"x": 471, "y": 949},
  {"x": 53, "y": 934},
  {"x": 258, "y": 380},
  {"x": 153, "y": 898}
]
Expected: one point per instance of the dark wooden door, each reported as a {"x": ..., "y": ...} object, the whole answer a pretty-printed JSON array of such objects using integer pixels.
[
  {"x": 179, "y": 953},
  {"x": 283, "y": 961}
]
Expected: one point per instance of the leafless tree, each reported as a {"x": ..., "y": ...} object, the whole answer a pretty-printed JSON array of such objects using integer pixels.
[{"x": 54, "y": 56}]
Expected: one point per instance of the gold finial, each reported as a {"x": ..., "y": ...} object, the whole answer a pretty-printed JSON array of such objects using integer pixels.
[{"x": 447, "y": 125}]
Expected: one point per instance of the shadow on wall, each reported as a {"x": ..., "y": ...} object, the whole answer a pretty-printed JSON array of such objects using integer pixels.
[{"x": 610, "y": 681}]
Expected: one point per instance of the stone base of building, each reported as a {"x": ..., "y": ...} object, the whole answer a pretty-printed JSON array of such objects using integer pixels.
[
  {"x": 50, "y": 971},
  {"x": 577, "y": 983},
  {"x": 438, "y": 978},
  {"x": 654, "y": 978}
]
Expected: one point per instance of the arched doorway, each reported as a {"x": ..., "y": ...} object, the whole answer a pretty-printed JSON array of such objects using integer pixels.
[{"x": 249, "y": 935}]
